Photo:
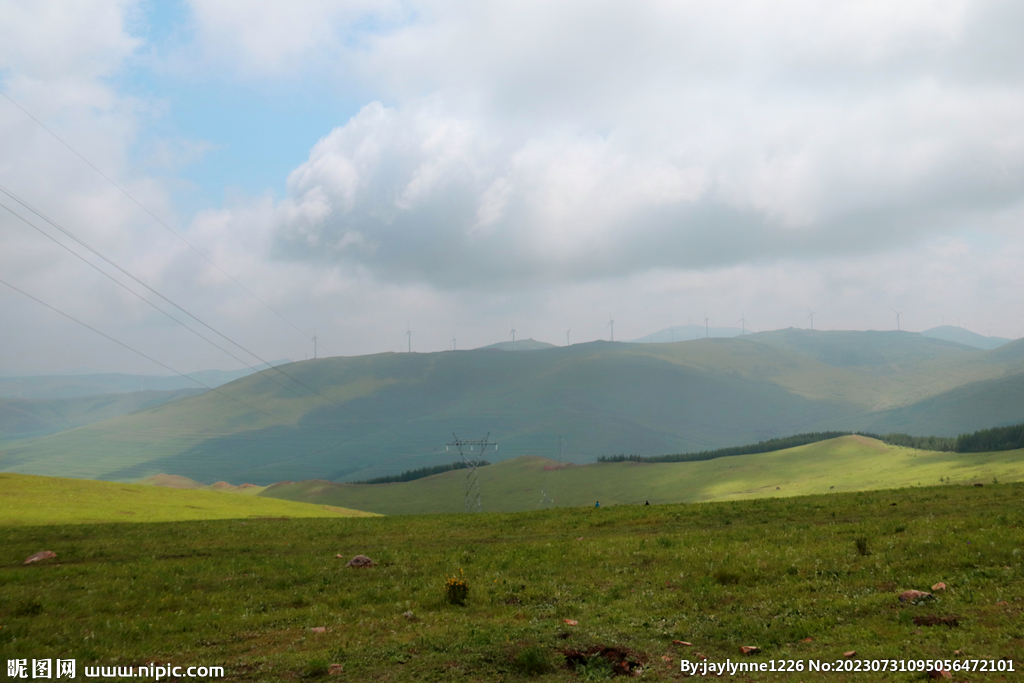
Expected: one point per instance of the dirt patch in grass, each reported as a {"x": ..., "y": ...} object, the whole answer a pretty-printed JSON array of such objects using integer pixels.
[
  {"x": 619, "y": 661},
  {"x": 932, "y": 620}
]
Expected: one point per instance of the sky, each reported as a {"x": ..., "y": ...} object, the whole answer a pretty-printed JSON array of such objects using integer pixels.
[{"x": 457, "y": 169}]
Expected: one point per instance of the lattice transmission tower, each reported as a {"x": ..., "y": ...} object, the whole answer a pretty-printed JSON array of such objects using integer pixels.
[{"x": 472, "y": 463}]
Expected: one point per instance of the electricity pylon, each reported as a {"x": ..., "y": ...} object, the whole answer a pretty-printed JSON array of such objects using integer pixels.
[{"x": 471, "y": 463}]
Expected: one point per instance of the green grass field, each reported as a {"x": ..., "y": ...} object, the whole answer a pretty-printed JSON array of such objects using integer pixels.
[
  {"x": 28, "y": 499},
  {"x": 849, "y": 463},
  {"x": 801, "y": 578}
]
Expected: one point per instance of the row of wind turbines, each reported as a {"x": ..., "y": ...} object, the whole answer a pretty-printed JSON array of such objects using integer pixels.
[{"x": 611, "y": 329}]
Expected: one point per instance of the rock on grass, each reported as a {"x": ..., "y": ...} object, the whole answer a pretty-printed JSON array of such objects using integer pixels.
[{"x": 41, "y": 555}]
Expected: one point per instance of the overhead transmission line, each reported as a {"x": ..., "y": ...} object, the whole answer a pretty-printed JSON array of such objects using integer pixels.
[
  {"x": 132, "y": 349},
  {"x": 177, "y": 372},
  {"x": 194, "y": 249},
  {"x": 265, "y": 372},
  {"x": 158, "y": 220},
  {"x": 150, "y": 303}
]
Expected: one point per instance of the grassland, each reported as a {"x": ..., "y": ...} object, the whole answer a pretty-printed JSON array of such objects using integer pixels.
[
  {"x": 849, "y": 463},
  {"x": 802, "y": 578},
  {"x": 28, "y": 499}
]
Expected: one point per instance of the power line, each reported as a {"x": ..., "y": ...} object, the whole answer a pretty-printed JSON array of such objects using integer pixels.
[
  {"x": 192, "y": 379},
  {"x": 156, "y": 218},
  {"x": 142, "y": 298},
  {"x": 28, "y": 206},
  {"x": 345, "y": 408},
  {"x": 132, "y": 349}
]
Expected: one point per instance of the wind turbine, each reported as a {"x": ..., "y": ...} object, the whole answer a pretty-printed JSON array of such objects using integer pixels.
[
  {"x": 453, "y": 344},
  {"x": 567, "y": 336},
  {"x": 811, "y": 316},
  {"x": 513, "y": 335},
  {"x": 897, "y": 318},
  {"x": 408, "y": 333},
  {"x": 611, "y": 324},
  {"x": 744, "y": 321},
  {"x": 706, "y": 318}
]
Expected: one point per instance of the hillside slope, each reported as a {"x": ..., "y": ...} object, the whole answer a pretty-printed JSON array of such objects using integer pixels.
[
  {"x": 22, "y": 418},
  {"x": 849, "y": 463}
]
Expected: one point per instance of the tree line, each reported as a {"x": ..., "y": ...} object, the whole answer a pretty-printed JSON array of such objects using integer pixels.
[
  {"x": 985, "y": 440},
  {"x": 410, "y": 475}
]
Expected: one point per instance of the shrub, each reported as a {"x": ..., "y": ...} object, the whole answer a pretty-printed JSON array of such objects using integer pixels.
[
  {"x": 456, "y": 590},
  {"x": 861, "y": 543}
]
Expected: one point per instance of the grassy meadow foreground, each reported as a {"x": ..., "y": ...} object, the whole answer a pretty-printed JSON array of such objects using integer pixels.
[{"x": 802, "y": 578}]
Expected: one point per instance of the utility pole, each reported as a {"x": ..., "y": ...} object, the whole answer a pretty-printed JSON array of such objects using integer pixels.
[
  {"x": 314, "y": 347},
  {"x": 472, "y": 463}
]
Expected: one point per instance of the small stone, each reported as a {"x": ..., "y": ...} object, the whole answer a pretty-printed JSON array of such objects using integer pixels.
[
  {"x": 697, "y": 654},
  {"x": 335, "y": 669},
  {"x": 41, "y": 555},
  {"x": 1003, "y": 603},
  {"x": 409, "y": 615},
  {"x": 939, "y": 587},
  {"x": 850, "y": 654},
  {"x": 936, "y": 673},
  {"x": 915, "y": 596},
  {"x": 749, "y": 649},
  {"x": 360, "y": 562},
  {"x": 319, "y": 629},
  {"x": 340, "y": 556},
  {"x": 957, "y": 653}
]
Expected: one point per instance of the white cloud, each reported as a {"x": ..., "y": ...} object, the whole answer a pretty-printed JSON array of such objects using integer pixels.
[
  {"x": 579, "y": 142},
  {"x": 544, "y": 162}
]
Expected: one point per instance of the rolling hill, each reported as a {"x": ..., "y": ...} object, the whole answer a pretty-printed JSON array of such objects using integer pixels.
[
  {"x": 849, "y": 463},
  {"x": 385, "y": 413},
  {"x": 966, "y": 337}
]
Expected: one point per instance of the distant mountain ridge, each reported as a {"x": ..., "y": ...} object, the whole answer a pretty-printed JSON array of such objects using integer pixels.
[
  {"x": 81, "y": 384},
  {"x": 966, "y": 337},
  {"x": 520, "y": 345},
  {"x": 688, "y": 333},
  {"x": 386, "y": 413}
]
